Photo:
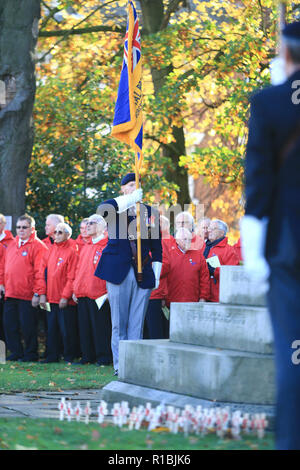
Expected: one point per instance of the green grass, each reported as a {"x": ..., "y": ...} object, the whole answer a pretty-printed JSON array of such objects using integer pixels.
[
  {"x": 50, "y": 434},
  {"x": 32, "y": 376},
  {"x": 61, "y": 435}
]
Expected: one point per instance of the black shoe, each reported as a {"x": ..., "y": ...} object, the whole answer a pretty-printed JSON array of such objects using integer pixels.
[
  {"x": 116, "y": 373},
  {"x": 48, "y": 361},
  {"x": 103, "y": 363},
  {"x": 25, "y": 359},
  {"x": 81, "y": 363}
]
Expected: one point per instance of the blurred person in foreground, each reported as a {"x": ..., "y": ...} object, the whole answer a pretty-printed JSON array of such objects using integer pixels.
[{"x": 270, "y": 229}]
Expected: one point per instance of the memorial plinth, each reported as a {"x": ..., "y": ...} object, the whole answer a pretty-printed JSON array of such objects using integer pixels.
[
  {"x": 217, "y": 353},
  {"x": 217, "y": 325}
]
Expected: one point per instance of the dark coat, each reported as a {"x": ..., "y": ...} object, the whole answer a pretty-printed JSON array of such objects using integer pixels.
[
  {"x": 117, "y": 257},
  {"x": 272, "y": 172}
]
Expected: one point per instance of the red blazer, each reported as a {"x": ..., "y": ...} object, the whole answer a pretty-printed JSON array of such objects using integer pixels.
[
  {"x": 22, "y": 265},
  {"x": 162, "y": 291},
  {"x": 238, "y": 249},
  {"x": 48, "y": 242},
  {"x": 227, "y": 256},
  {"x": 8, "y": 239},
  {"x": 2, "y": 263},
  {"x": 81, "y": 243},
  {"x": 188, "y": 277},
  {"x": 60, "y": 262},
  {"x": 86, "y": 284}
]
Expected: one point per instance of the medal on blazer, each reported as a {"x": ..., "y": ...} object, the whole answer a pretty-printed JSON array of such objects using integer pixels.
[
  {"x": 150, "y": 221},
  {"x": 60, "y": 260},
  {"x": 97, "y": 256}
]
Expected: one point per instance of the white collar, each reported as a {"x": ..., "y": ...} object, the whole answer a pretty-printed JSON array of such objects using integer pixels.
[
  {"x": 96, "y": 240},
  {"x": 22, "y": 242},
  {"x": 182, "y": 251},
  {"x": 3, "y": 234}
]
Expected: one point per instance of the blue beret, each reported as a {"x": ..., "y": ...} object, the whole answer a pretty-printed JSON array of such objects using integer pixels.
[
  {"x": 127, "y": 178},
  {"x": 292, "y": 31}
]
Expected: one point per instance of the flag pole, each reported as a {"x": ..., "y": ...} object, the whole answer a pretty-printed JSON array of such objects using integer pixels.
[{"x": 138, "y": 223}]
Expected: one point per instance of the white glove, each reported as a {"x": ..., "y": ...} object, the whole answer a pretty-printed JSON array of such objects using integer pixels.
[
  {"x": 277, "y": 70},
  {"x": 156, "y": 266},
  {"x": 253, "y": 239},
  {"x": 124, "y": 202}
]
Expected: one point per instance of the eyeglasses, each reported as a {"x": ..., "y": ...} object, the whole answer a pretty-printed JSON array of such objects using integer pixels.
[
  {"x": 91, "y": 222},
  {"x": 60, "y": 232},
  {"x": 19, "y": 227}
]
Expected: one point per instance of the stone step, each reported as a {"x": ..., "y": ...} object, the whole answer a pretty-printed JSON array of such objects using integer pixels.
[
  {"x": 135, "y": 395},
  {"x": 211, "y": 374},
  {"x": 236, "y": 288},
  {"x": 225, "y": 326}
]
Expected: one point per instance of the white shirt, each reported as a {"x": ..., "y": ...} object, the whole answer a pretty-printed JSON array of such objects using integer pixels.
[
  {"x": 96, "y": 240},
  {"x": 22, "y": 242}
]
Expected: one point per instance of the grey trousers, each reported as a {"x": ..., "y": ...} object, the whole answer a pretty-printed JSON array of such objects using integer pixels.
[{"x": 128, "y": 305}]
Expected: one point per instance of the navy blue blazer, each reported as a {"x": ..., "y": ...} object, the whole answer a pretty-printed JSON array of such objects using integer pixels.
[
  {"x": 272, "y": 185},
  {"x": 117, "y": 258}
]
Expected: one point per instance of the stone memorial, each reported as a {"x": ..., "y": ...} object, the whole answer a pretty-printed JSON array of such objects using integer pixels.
[{"x": 218, "y": 353}]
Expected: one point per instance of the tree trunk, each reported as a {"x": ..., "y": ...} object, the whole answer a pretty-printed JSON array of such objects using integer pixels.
[
  {"x": 153, "y": 19},
  {"x": 18, "y": 36}
]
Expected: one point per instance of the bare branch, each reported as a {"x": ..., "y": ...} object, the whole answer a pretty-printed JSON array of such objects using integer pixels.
[
  {"x": 87, "y": 30},
  {"x": 68, "y": 32}
]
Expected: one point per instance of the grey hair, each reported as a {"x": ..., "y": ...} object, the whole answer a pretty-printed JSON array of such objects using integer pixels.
[
  {"x": 189, "y": 216},
  {"x": 222, "y": 225},
  {"x": 67, "y": 228},
  {"x": 98, "y": 218},
  {"x": 203, "y": 219},
  {"x": 57, "y": 218}
]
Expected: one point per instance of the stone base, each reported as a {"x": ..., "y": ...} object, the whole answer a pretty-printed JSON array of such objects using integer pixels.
[
  {"x": 225, "y": 326},
  {"x": 136, "y": 395},
  {"x": 236, "y": 288},
  {"x": 200, "y": 372}
]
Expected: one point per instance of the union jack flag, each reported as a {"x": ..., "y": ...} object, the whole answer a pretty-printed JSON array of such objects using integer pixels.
[
  {"x": 136, "y": 43},
  {"x": 128, "y": 118}
]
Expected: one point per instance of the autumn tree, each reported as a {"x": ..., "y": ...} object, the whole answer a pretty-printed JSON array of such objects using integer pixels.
[{"x": 202, "y": 60}]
